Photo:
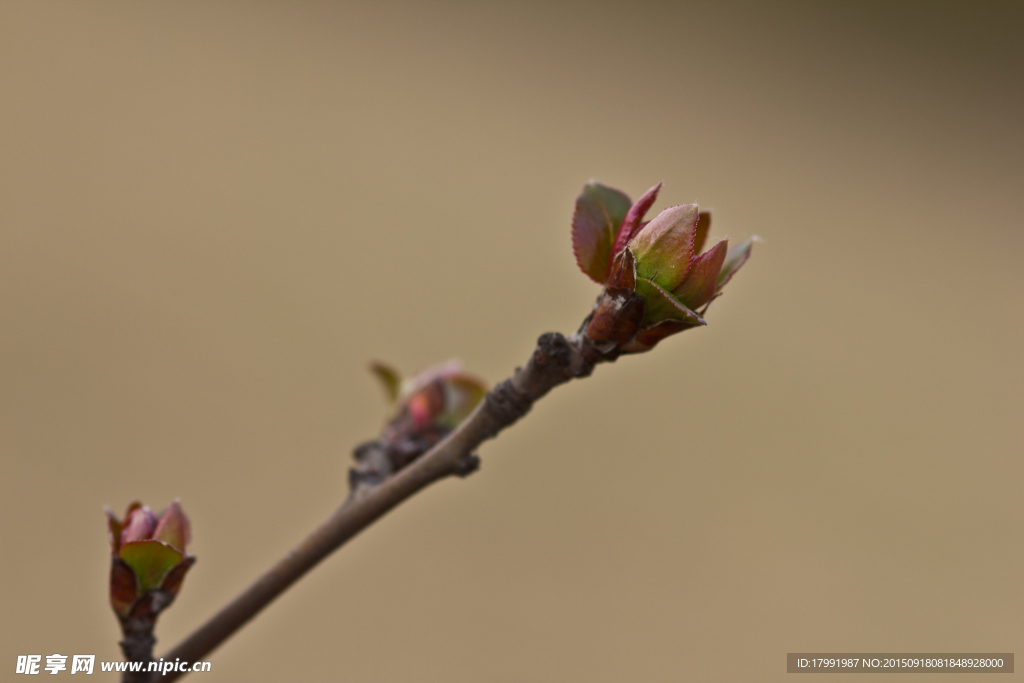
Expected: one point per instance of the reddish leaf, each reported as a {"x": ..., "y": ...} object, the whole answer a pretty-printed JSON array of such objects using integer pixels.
[
  {"x": 703, "y": 226},
  {"x": 113, "y": 530},
  {"x": 646, "y": 340},
  {"x": 148, "y": 607},
  {"x": 174, "y": 577},
  {"x": 623, "y": 272},
  {"x": 600, "y": 211},
  {"x": 426, "y": 405},
  {"x": 138, "y": 525},
  {"x": 699, "y": 286},
  {"x": 617, "y": 317},
  {"x": 174, "y": 529},
  {"x": 631, "y": 223},
  {"x": 664, "y": 248},
  {"x": 123, "y": 587},
  {"x": 116, "y": 526}
]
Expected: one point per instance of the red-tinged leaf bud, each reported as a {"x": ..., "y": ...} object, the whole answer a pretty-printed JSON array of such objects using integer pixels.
[
  {"x": 445, "y": 394},
  {"x": 148, "y": 559},
  {"x": 631, "y": 224},
  {"x": 139, "y": 525},
  {"x": 656, "y": 272},
  {"x": 427, "y": 407}
]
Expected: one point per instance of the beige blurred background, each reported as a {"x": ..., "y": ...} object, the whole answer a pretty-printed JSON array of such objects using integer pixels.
[{"x": 212, "y": 215}]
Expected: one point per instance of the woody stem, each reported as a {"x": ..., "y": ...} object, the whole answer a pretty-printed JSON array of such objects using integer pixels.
[
  {"x": 554, "y": 361},
  {"x": 137, "y": 646}
]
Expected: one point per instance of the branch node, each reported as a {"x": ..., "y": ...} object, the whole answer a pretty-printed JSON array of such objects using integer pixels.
[
  {"x": 364, "y": 450},
  {"x": 552, "y": 347},
  {"x": 373, "y": 465},
  {"x": 467, "y": 465}
]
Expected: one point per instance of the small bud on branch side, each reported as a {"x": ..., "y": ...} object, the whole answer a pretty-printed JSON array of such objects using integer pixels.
[
  {"x": 148, "y": 564},
  {"x": 427, "y": 408}
]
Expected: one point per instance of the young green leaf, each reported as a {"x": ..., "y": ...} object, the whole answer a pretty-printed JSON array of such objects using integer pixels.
[
  {"x": 150, "y": 560},
  {"x": 662, "y": 305},
  {"x": 664, "y": 248}
]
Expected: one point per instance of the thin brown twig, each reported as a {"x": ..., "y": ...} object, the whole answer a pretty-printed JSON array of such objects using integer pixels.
[{"x": 555, "y": 361}]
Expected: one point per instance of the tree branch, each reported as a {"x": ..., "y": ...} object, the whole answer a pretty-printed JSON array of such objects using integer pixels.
[
  {"x": 137, "y": 646},
  {"x": 555, "y": 360}
]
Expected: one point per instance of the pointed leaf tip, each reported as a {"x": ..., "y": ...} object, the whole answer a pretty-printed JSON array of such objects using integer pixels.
[
  {"x": 623, "y": 271},
  {"x": 649, "y": 338},
  {"x": 734, "y": 259},
  {"x": 631, "y": 223},
  {"x": 701, "y": 235},
  {"x": 174, "y": 528},
  {"x": 389, "y": 379},
  {"x": 599, "y": 213},
  {"x": 113, "y": 529},
  {"x": 173, "y": 578},
  {"x": 138, "y": 525},
  {"x": 701, "y": 282}
]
